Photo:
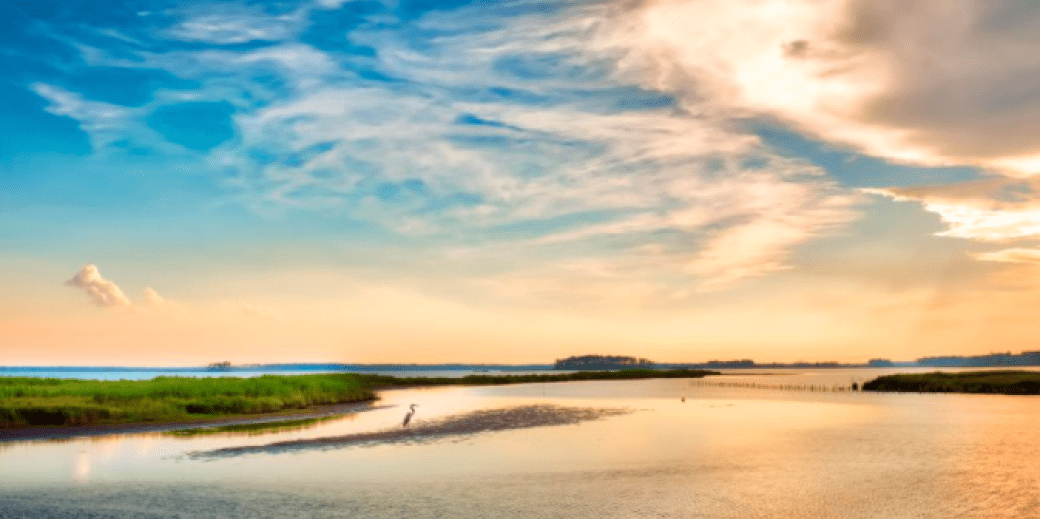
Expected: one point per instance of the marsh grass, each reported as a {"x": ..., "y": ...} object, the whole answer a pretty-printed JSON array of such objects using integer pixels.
[
  {"x": 30, "y": 401},
  {"x": 1004, "y": 382},
  {"x": 52, "y": 402}
]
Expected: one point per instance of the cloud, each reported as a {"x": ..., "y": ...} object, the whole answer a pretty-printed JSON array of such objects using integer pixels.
[
  {"x": 490, "y": 126},
  {"x": 922, "y": 82},
  {"x": 101, "y": 291},
  {"x": 224, "y": 30},
  {"x": 153, "y": 299},
  {"x": 535, "y": 152},
  {"x": 1011, "y": 256},
  {"x": 112, "y": 129},
  {"x": 104, "y": 292},
  {"x": 333, "y": 4},
  {"x": 230, "y": 24},
  {"x": 103, "y": 122},
  {"x": 995, "y": 209}
]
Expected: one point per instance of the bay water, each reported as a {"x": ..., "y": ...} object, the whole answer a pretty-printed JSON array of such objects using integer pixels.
[{"x": 754, "y": 443}]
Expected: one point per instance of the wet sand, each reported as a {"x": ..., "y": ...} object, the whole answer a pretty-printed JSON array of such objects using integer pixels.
[
  {"x": 522, "y": 417},
  {"x": 68, "y": 432}
]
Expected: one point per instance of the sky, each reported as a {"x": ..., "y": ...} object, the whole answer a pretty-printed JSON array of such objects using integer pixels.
[{"x": 516, "y": 181}]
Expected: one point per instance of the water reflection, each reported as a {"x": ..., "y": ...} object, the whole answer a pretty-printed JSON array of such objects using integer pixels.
[{"x": 257, "y": 428}]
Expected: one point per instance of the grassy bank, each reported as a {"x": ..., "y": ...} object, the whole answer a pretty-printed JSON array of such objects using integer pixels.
[
  {"x": 34, "y": 401},
  {"x": 51, "y": 402},
  {"x": 996, "y": 382}
]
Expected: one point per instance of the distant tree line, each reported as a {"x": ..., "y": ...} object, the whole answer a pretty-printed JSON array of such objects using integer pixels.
[
  {"x": 1026, "y": 358},
  {"x": 587, "y": 362}
]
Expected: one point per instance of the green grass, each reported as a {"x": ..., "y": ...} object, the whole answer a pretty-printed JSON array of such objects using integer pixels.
[
  {"x": 53, "y": 402},
  {"x": 996, "y": 382},
  {"x": 32, "y": 401},
  {"x": 253, "y": 428}
]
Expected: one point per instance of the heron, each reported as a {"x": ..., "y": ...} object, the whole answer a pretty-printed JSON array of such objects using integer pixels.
[{"x": 408, "y": 417}]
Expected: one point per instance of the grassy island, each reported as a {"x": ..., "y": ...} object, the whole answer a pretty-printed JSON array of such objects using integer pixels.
[
  {"x": 68, "y": 402},
  {"x": 995, "y": 382}
]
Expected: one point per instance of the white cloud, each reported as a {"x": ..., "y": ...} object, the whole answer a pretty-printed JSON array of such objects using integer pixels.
[
  {"x": 101, "y": 291},
  {"x": 926, "y": 82},
  {"x": 332, "y": 4},
  {"x": 987, "y": 225},
  {"x": 104, "y": 292},
  {"x": 228, "y": 24},
  {"x": 988, "y": 210},
  {"x": 103, "y": 122},
  {"x": 109, "y": 126}
]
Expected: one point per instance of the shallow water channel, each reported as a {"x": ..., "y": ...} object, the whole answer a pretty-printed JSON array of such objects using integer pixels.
[{"x": 731, "y": 451}]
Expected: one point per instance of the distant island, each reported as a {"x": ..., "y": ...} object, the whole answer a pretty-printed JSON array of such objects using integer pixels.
[
  {"x": 601, "y": 362},
  {"x": 992, "y": 360},
  {"x": 1026, "y": 358}
]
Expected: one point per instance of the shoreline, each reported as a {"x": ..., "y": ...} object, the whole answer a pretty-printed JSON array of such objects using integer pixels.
[{"x": 67, "y": 432}]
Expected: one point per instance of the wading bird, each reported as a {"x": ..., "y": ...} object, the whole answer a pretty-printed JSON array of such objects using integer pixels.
[{"x": 408, "y": 417}]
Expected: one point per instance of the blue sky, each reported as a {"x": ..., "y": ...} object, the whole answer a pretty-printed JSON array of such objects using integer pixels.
[{"x": 585, "y": 159}]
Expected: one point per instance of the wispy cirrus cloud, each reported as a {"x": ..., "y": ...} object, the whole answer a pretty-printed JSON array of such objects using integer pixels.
[
  {"x": 493, "y": 124},
  {"x": 103, "y": 122},
  {"x": 505, "y": 122},
  {"x": 233, "y": 27}
]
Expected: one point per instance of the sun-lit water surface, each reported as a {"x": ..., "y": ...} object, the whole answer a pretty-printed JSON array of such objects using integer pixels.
[{"x": 724, "y": 452}]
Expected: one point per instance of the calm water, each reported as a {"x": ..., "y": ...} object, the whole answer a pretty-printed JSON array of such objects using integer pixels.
[{"x": 724, "y": 452}]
